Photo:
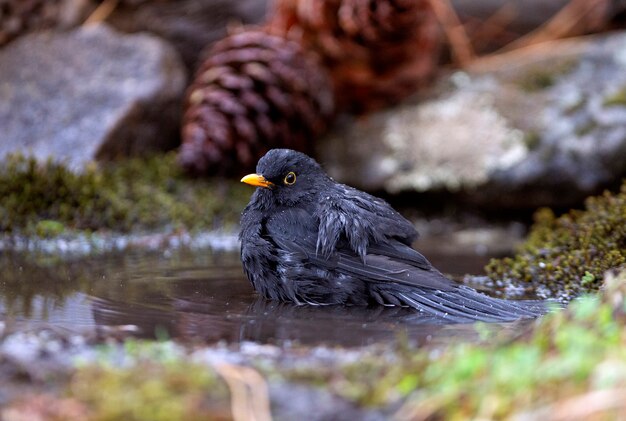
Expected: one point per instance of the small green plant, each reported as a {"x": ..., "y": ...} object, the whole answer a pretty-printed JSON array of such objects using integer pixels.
[{"x": 587, "y": 278}]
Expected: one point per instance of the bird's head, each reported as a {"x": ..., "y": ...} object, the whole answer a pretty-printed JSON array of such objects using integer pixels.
[{"x": 287, "y": 177}]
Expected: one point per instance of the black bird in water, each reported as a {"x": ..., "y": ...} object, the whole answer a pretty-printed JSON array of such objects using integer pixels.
[{"x": 307, "y": 239}]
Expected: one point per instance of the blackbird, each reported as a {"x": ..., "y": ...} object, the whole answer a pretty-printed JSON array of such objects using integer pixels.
[{"x": 307, "y": 239}]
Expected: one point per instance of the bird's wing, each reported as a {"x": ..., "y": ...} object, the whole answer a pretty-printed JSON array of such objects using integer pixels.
[
  {"x": 394, "y": 274},
  {"x": 361, "y": 218},
  {"x": 295, "y": 231},
  {"x": 394, "y": 280}
]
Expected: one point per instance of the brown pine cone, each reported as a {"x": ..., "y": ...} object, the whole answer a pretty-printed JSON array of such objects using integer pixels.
[
  {"x": 378, "y": 50},
  {"x": 254, "y": 92}
]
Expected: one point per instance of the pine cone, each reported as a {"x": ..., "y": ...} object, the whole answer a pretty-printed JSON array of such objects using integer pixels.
[
  {"x": 254, "y": 92},
  {"x": 134, "y": 3},
  {"x": 378, "y": 50}
]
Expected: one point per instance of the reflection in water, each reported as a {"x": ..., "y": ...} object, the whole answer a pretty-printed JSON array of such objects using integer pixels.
[
  {"x": 193, "y": 297},
  {"x": 199, "y": 318}
]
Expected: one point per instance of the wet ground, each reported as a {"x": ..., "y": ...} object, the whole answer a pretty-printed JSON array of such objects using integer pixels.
[{"x": 198, "y": 296}]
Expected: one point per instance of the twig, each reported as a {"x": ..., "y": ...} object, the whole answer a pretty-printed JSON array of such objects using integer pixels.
[
  {"x": 101, "y": 13},
  {"x": 419, "y": 411},
  {"x": 249, "y": 395},
  {"x": 560, "y": 25},
  {"x": 455, "y": 32},
  {"x": 581, "y": 407},
  {"x": 494, "y": 26},
  {"x": 499, "y": 60}
]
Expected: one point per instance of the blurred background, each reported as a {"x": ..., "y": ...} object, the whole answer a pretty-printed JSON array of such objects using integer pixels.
[{"x": 492, "y": 103}]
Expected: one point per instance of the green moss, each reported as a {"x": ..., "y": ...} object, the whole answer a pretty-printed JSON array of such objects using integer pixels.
[
  {"x": 577, "y": 106},
  {"x": 136, "y": 194},
  {"x": 151, "y": 391},
  {"x": 569, "y": 254},
  {"x": 543, "y": 76},
  {"x": 586, "y": 128},
  {"x": 537, "y": 81},
  {"x": 616, "y": 100},
  {"x": 532, "y": 140},
  {"x": 48, "y": 228}
]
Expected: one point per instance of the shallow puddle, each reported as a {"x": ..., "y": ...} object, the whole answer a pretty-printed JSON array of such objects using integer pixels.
[{"x": 196, "y": 297}]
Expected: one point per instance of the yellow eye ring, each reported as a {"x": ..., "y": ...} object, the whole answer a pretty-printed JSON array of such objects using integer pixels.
[{"x": 290, "y": 178}]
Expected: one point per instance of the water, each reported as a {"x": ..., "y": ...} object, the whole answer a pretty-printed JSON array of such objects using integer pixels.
[{"x": 195, "y": 297}]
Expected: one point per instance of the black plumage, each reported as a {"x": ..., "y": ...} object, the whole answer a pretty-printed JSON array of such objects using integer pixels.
[{"x": 310, "y": 240}]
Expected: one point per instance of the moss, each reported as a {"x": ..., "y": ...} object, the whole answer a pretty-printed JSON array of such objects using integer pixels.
[
  {"x": 49, "y": 228},
  {"x": 577, "y": 106},
  {"x": 537, "y": 81},
  {"x": 532, "y": 140},
  {"x": 616, "y": 100},
  {"x": 543, "y": 77},
  {"x": 569, "y": 254},
  {"x": 151, "y": 391},
  {"x": 156, "y": 387},
  {"x": 137, "y": 194},
  {"x": 586, "y": 128}
]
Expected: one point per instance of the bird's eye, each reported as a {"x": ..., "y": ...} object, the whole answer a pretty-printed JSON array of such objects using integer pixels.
[{"x": 290, "y": 178}]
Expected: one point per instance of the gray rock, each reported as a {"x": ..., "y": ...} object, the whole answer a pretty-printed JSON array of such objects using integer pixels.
[
  {"x": 190, "y": 25},
  {"x": 292, "y": 401},
  {"x": 89, "y": 94},
  {"x": 544, "y": 128}
]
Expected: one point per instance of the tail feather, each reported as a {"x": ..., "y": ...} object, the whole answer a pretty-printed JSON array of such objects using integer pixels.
[
  {"x": 466, "y": 305},
  {"x": 427, "y": 306},
  {"x": 530, "y": 308},
  {"x": 478, "y": 308}
]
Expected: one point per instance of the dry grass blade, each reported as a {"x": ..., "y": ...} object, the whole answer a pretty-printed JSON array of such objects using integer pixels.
[
  {"x": 519, "y": 56},
  {"x": 420, "y": 410},
  {"x": 454, "y": 30},
  {"x": 588, "y": 406},
  {"x": 493, "y": 27},
  {"x": 563, "y": 24},
  {"x": 102, "y": 12},
  {"x": 249, "y": 394}
]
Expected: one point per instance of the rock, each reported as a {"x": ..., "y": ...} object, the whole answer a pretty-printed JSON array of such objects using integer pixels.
[
  {"x": 547, "y": 127},
  {"x": 291, "y": 401},
  {"x": 190, "y": 25},
  {"x": 89, "y": 94}
]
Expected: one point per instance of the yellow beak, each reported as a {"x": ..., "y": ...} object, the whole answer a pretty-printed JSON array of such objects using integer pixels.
[{"x": 257, "y": 180}]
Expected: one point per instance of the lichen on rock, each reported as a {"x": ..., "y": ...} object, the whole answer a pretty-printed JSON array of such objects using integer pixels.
[{"x": 451, "y": 143}]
